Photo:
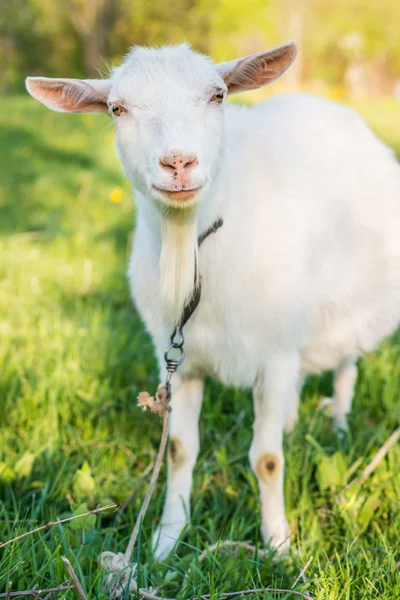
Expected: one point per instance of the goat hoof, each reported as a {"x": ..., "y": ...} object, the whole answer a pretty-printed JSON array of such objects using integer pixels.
[
  {"x": 340, "y": 425},
  {"x": 165, "y": 538},
  {"x": 278, "y": 537},
  {"x": 339, "y": 420},
  {"x": 326, "y": 405}
]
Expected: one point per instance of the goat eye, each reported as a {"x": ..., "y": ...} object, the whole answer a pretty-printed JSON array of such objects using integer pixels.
[
  {"x": 218, "y": 97},
  {"x": 116, "y": 110}
]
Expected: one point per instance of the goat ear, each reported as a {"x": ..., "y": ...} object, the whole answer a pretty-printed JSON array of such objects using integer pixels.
[
  {"x": 70, "y": 95},
  {"x": 256, "y": 70}
]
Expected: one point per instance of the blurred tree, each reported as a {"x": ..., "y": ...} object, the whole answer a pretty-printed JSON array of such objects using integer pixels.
[
  {"x": 339, "y": 35},
  {"x": 92, "y": 19},
  {"x": 238, "y": 28},
  {"x": 353, "y": 44}
]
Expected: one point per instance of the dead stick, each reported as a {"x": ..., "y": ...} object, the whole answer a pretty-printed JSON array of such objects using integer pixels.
[
  {"x": 51, "y": 592},
  {"x": 302, "y": 574},
  {"x": 9, "y": 589},
  {"x": 74, "y": 577},
  {"x": 154, "y": 477},
  {"x": 148, "y": 596},
  {"x": 60, "y": 588},
  {"x": 371, "y": 466},
  {"x": 255, "y": 591},
  {"x": 380, "y": 455},
  {"x": 53, "y": 523}
]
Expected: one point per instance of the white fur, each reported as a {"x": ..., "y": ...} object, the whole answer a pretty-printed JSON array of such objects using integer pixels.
[{"x": 304, "y": 274}]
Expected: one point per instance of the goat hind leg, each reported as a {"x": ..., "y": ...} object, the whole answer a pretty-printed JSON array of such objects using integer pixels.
[
  {"x": 343, "y": 392},
  {"x": 345, "y": 379},
  {"x": 293, "y": 411}
]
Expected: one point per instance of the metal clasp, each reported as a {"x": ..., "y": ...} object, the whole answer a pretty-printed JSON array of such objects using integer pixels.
[{"x": 173, "y": 362}]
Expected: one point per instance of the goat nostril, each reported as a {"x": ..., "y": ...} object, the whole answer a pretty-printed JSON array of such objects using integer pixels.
[
  {"x": 172, "y": 163},
  {"x": 190, "y": 163},
  {"x": 165, "y": 165}
]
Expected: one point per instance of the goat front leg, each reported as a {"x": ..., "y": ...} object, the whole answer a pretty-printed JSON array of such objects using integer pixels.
[
  {"x": 183, "y": 448},
  {"x": 273, "y": 396}
]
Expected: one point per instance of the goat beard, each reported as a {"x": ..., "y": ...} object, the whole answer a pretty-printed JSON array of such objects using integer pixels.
[{"x": 178, "y": 262}]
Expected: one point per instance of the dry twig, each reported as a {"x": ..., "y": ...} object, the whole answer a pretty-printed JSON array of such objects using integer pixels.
[
  {"x": 302, "y": 574},
  {"x": 95, "y": 511},
  {"x": 36, "y": 593},
  {"x": 73, "y": 575},
  {"x": 161, "y": 406},
  {"x": 51, "y": 592},
  {"x": 250, "y": 592},
  {"x": 9, "y": 590},
  {"x": 380, "y": 455},
  {"x": 118, "y": 565},
  {"x": 145, "y": 595}
]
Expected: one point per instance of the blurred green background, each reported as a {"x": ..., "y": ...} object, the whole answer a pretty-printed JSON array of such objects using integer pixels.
[{"x": 348, "y": 47}]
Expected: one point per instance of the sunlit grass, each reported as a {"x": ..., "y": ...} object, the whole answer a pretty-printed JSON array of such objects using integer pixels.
[{"x": 74, "y": 355}]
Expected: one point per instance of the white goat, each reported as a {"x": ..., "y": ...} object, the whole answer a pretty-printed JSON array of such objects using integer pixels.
[{"x": 304, "y": 274}]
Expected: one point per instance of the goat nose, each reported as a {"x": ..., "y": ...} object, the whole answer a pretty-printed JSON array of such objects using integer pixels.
[{"x": 178, "y": 162}]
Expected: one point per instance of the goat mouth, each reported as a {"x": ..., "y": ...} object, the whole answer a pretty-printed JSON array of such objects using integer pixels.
[{"x": 178, "y": 194}]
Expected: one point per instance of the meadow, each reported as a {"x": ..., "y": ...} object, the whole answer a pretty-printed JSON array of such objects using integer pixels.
[{"x": 73, "y": 357}]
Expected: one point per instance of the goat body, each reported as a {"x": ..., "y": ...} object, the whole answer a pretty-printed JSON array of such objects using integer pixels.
[
  {"x": 308, "y": 258},
  {"x": 304, "y": 274}
]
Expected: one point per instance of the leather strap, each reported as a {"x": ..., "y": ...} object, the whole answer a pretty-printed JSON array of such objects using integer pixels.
[{"x": 191, "y": 306}]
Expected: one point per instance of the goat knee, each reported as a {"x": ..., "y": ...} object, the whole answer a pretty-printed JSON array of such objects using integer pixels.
[
  {"x": 177, "y": 455},
  {"x": 268, "y": 468}
]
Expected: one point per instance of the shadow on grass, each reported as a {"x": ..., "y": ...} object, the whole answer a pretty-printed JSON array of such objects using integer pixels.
[
  {"x": 27, "y": 159},
  {"x": 15, "y": 137}
]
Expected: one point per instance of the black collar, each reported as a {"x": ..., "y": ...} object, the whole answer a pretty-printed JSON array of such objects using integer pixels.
[{"x": 191, "y": 306}]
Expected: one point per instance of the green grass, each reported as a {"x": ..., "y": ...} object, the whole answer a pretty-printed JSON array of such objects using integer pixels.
[{"x": 74, "y": 356}]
